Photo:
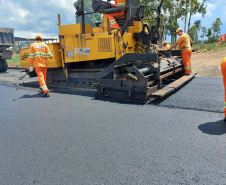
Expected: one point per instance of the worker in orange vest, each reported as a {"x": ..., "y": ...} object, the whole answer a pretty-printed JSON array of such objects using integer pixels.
[
  {"x": 39, "y": 53},
  {"x": 111, "y": 16},
  {"x": 185, "y": 43},
  {"x": 223, "y": 70}
]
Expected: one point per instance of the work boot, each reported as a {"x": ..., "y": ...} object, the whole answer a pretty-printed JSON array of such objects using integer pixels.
[
  {"x": 45, "y": 94},
  {"x": 225, "y": 119}
]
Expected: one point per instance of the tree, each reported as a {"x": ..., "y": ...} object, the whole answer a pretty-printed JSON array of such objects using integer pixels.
[
  {"x": 186, "y": 13},
  {"x": 171, "y": 12},
  {"x": 197, "y": 25},
  {"x": 209, "y": 35},
  {"x": 196, "y": 6},
  {"x": 216, "y": 27},
  {"x": 193, "y": 33},
  {"x": 171, "y": 27},
  {"x": 204, "y": 32},
  {"x": 179, "y": 10},
  {"x": 89, "y": 18}
]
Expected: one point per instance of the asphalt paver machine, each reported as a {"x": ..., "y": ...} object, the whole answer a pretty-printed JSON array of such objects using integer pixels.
[{"x": 124, "y": 64}]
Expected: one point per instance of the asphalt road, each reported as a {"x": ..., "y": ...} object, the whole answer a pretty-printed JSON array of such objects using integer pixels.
[{"x": 73, "y": 139}]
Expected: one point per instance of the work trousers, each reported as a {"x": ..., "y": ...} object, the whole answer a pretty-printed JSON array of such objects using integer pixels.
[
  {"x": 223, "y": 70},
  {"x": 111, "y": 18},
  {"x": 186, "y": 60},
  {"x": 41, "y": 72}
]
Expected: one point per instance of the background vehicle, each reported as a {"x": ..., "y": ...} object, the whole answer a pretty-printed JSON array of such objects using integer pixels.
[
  {"x": 122, "y": 64},
  {"x": 6, "y": 40},
  {"x": 222, "y": 38}
]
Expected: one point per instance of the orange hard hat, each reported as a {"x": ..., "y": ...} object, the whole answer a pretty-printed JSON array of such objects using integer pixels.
[
  {"x": 164, "y": 42},
  {"x": 38, "y": 36},
  {"x": 178, "y": 30}
]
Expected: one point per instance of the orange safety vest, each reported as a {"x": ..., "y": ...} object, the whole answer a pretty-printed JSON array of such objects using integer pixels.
[{"x": 39, "y": 52}]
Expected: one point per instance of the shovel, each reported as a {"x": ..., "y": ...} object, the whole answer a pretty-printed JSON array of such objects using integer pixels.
[{"x": 18, "y": 81}]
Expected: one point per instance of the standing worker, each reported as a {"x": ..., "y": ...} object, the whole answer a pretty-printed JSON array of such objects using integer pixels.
[
  {"x": 223, "y": 70},
  {"x": 185, "y": 43},
  {"x": 39, "y": 53},
  {"x": 165, "y": 45},
  {"x": 111, "y": 16}
]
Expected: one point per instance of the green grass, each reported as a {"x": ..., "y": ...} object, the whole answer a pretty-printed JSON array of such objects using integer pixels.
[
  {"x": 15, "y": 60},
  {"x": 209, "y": 47}
]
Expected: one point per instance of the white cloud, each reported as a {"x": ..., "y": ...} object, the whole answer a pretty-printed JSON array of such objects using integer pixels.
[
  {"x": 32, "y": 16},
  {"x": 209, "y": 12},
  {"x": 23, "y": 13},
  {"x": 29, "y": 34},
  {"x": 210, "y": 9}
]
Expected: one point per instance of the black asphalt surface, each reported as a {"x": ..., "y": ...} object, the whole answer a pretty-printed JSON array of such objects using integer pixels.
[{"x": 73, "y": 139}]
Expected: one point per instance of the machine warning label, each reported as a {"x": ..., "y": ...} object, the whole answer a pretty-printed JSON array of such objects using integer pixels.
[{"x": 82, "y": 51}]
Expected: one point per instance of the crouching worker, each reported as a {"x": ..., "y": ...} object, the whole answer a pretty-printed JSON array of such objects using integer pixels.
[
  {"x": 39, "y": 53},
  {"x": 165, "y": 45}
]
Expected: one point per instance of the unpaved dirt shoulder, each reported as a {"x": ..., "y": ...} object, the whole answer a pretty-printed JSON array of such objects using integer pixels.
[{"x": 207, "y": 64}]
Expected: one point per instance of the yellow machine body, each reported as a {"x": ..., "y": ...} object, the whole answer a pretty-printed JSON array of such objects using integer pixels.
[
  {"x": 55, "y": 62},
  {"x": 95, "y": 43}
]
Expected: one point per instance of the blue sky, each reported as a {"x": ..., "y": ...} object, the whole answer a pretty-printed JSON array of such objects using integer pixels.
[
  {"x": 28, "y": 17},
  {"x": 215, "y": 9}
]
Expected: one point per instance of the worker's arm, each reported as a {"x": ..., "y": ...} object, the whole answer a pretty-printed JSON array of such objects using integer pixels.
[
  {"x": 179, "y": 41},
  {"x": 173, "y": 46},
  {"x": 48, "y": 53},
  {"x": 31, "y": 58}
]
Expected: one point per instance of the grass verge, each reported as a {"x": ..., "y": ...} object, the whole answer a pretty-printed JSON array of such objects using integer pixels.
[
  {"x": 209, "y": 47},
  {"x": 14, "y": 61}
]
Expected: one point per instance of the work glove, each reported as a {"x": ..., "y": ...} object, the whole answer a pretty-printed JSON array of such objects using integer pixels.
[{"x": 31, "y": 68}]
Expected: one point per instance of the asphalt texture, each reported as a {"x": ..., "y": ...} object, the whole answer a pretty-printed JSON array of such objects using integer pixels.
[{"x": 72, "y": 139}]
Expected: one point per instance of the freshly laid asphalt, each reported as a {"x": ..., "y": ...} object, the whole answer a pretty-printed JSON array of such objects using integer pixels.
[{"x": 73, "y": 139}]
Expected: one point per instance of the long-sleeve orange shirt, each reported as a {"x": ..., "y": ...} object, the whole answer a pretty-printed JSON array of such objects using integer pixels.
[{"x": 39, "y": 52}]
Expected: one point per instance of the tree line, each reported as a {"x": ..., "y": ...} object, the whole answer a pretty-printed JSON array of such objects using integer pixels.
[
  {"x": 180, "y": 12},
  {"x": 173, "y": 14}
]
